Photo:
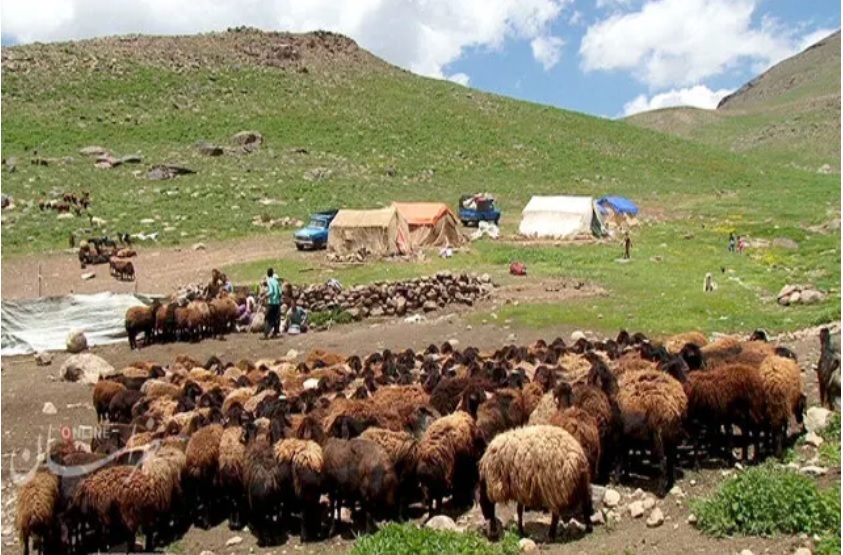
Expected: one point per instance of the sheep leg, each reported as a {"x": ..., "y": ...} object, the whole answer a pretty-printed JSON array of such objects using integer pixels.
[
  {"x": 335, "y": 514},
  {"x": 587, "y": 509},
  {"x": 487, "y": 507},
  {"x": 554, "y": 524},
  {"x": 520, "y": 509},
  {"x": 659, "y": 452}
]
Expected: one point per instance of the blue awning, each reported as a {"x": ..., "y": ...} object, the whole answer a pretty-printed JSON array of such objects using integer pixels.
[{"x": 619, "y": 205}]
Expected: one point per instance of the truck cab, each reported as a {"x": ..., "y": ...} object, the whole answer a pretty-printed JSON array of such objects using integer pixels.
[
  {"x": 315, "y": 234},
  {"x": 478, "y": 208}
]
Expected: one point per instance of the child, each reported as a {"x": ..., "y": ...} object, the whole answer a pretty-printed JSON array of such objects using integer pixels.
[
  {"x": 627, "y": 244},
  {"x": 741, "y": 244},
  {"x": 731, "y": 242}
]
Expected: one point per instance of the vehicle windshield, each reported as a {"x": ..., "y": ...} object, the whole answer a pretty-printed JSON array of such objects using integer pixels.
[{"x": 318, "y": 224}]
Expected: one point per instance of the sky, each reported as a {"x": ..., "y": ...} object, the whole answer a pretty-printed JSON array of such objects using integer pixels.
[{"x": 607, "y": 58}]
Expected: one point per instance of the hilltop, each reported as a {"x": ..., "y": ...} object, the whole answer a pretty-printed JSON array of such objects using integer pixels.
[{"x": 790, "y": 113}]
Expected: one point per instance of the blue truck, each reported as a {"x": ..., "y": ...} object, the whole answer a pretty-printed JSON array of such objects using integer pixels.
[
  {"x": 478, "y": 208},
  {"x": 315, "y": 234}
]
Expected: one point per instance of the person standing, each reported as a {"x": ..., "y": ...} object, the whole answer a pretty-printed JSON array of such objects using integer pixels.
[
  {"x": 732, "y": 242},
  {"x": 741, "y": 244},
  {"x": 627, "y": 244},
  {"x": 273, "y": 309}
]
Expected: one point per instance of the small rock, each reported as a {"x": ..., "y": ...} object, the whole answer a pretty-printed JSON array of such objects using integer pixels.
[
  {"x": 511, "y": 338},
  {"x": 813, "y": 439},
  {"x": 454, "y": 342},
  {"x": 802, "y": 551},
  {"x": 49, "y": 408},
  {"x": 692, "y": 519},
  {"x": 76, "y": 342},
  {"x": 207, "y": 552},
  {"x": 636, "y": 509},
  {"x": 816, "y": 420},
  {"x": 234, "y": 541},
  {"x": 199, "y": 247},
  {"x": 611, "y": 498},
  {"x": 747, "y": 552},
  {"x": 597, "y": 518},
  {"x": 576, "y": 336},
  {"x": 676, "y": 491},
  {"x": 693, "y": 483},
  {"x": 638, "y": 493},
  {"x": 441, "y": 522},
  {"x": 656, "y": 518},
  {"x": 526, "y": 545},
  {"x": 43, "y": 359},
  {"x": 648, "y": 503},
  {"x": 88, "y": 275},
  {"x": 292, "y": 354},
  {"x": 813, "y": 470}
]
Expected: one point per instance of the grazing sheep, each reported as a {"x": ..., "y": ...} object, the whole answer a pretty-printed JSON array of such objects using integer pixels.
[
  {"x": 141, "y": 319},
  {"x": 121, "y": 269},
  {"x": 38, "y": 503},
  {"x": 104, "y": 392},
  {"x": 538, "y": 467}
]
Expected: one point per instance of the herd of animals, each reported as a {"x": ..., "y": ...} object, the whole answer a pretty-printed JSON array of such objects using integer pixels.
[{"x": 282, "y": 447}]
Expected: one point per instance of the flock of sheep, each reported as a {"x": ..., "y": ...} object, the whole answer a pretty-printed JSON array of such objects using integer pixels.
[{"x": 264, "y": 443}]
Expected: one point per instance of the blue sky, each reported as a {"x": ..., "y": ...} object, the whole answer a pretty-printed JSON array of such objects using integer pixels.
[{"x": 603, "y": 57}]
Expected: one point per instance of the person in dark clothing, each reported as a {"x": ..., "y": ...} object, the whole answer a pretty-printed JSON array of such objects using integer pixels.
[
  {"x": 627, "y": 245},
  {"x": 732, "y": 242}
]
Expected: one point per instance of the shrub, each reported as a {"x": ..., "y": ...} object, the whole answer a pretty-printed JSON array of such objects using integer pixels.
[
  {"x": 397, "y": 539},
  {"x": 335, "y": 315},
  {"x": 832, "y": 430},
  {"x": 768, "y": 500}
]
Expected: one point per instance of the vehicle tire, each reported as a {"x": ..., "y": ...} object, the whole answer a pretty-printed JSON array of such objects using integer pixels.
[
  {"x": 464, "y": 223},
  {"x": 299, "y": 247},
  {"x": 497, "y": 220}
]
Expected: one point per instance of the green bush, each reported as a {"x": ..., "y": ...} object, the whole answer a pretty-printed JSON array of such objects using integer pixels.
[
  {"x": 829, "y": 545},
  {"x": 832, "y": 431},
  {"x": 335, "y": 315},
  {"x": 396, "y": 539},
  {"x": 768, "y": 500}
]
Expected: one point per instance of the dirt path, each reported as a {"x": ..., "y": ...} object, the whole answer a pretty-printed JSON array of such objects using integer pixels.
[
  {"x": 158, "y": 270},
  {"x": 24, "y": 423}
]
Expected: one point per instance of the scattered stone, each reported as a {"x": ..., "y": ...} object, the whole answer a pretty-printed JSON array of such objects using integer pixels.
[
  {"x": 292, "y": 354},
  {"x": 636, "y": 509},
  {"x": 76, "y": 342},
  {"x": 795, "y": 294},
  {"x": 511, "y": 338},
  {"x": 638, "y": 493},
  {"x": 676, "y": 491},
  {"x": 234, "y": 541},
  {"x": 207, "y": 552},
  {"x": 693, "y": 483},
  {"x": 816, "y": 420},
  {"x": 161, "y": 172},
  {"x": 648, "y": 503},
  {"x": 747, "y": 552},
  {"x": 49, "y": 408},
  {"x": 802, "y": 551},
  {"x": 317, "y": 174},
  {"x": 656, "y": 518},
  {"x": 692, "y": 519},
  {"x": 813, "y": 470},
  {"x": 248, "y": 140},
  {"x": 526, "y": 545},
  {"x": 597, "y": 518},
  {"x": 88, "y": 275},
  {"x": 441, "y": 522},
  {"x": 611, "y": 498},
  {"x": 93, "y": 151},
  {"x": 199, "y": 247},
  {"x": 85, "y": 368},
  {"x": 813, "y": 439},
  {"x": 576, "y": 336},
  {"x": 43, "y": 359}
]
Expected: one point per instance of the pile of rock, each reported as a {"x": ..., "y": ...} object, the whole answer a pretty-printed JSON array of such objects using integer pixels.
[
  {"x": 799, "y": 294},
  {"x": 270, "y": 223},
  {"x": 384, "y": 298}
]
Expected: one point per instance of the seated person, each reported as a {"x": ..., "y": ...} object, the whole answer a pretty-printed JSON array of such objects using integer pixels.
[{"x": 295, "y": 316}]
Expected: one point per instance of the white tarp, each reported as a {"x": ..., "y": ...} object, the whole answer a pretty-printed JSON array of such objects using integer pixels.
[
  {"x": 34, "y": 325},
  {"x": 557, "y": 217}
]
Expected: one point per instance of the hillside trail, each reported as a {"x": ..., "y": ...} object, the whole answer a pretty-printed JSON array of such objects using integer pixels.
[{"x": 158, "y": 269}]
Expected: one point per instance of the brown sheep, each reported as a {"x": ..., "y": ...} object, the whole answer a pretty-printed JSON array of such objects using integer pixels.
[
  {"x": 538, "y": 467},
  {"x": 401, "y": 448},
  {"x": 121, "y": 269},
  {"x": 579, "y": 424},
  {"x": 104, "y": 392},
  {"x": 38, "y": 502},
  {"x": 141, "y": 319},
  {"x": 307, "y": 468},
  {"x": 782, "y": 382},
  {"x": 201, "y": 469},
  {"x": 674, "y": 343}
]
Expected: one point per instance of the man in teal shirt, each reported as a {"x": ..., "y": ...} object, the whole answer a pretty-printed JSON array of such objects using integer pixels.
[{"x": 273, "y": 310}]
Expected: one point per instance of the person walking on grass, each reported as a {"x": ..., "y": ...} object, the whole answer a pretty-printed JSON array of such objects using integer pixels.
[
  {"x": 741, "y": 244},
  {"x": 273, "y": 309},
  {"x": 731, "y": 242},
  {"x": 627, "y": 245}
]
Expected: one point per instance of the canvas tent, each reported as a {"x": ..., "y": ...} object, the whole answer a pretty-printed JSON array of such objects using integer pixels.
[
  {"x": 618, "y": 212},
  {"x": 560, "y": 217},
  {"x": 380, "y": 232},
  {"x": 432, "y": 224}
]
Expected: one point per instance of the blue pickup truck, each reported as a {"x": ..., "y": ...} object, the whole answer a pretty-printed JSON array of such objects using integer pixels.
[
  {"x": 315, "y": 234},
  {"x": 478, "y": 208}
]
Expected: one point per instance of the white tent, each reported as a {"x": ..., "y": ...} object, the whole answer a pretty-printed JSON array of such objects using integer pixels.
[{"x": 560, "y": 217}]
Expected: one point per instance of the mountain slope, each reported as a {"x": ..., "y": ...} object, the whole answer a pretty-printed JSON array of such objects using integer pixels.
[
  {"x": 790, "y": 113},
  {"x": 341, "y": 128}
]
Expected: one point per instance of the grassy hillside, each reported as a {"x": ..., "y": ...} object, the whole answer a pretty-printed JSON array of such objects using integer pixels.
[
  {"x": 336, "y": 122},
  {"x": 789, "y": 114}
]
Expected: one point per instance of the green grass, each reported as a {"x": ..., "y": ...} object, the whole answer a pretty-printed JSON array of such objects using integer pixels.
[
  {"x": 767, "y": 500},
  {"x": 828, "y": 545},
  {"x": 829, "y": 451},
  {"x": 396, "y": 539}
]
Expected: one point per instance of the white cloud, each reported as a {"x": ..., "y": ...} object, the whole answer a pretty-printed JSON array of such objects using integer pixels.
[
  {"x": 423, "y": 36},
  {"x": 576, "y": 18},
  {"x": 698, "y": 96},
  {"x": 547, "y": 51},
  {"x": 460, "y": 78},
  {"x": 601, "y": 4},
  {"x": 674, "y": 43}
]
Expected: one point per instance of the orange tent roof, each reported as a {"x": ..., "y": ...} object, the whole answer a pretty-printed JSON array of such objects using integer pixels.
[{"x": 422, "y": 213}]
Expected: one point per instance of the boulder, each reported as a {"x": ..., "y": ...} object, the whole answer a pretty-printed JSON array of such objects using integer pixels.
[
  {"x": 257, "y": 323},
  {"x": 85, "y": 368},
  {"x": 430, "y": 306},
  {"x": 816, "y": 420},
  {"x": 248, "y": 139},
  {"x": 611, "y": 498},
  {"x": 656, "y": 518},
  {"x": 812, "y": 296},
  {"x": 76, "y": 342},
  {"x": 636, "y": 509},
  {"x": 441, "y": 522},
  {"x": 526, "y": 545},
  {"x": 814, "y": 440}
]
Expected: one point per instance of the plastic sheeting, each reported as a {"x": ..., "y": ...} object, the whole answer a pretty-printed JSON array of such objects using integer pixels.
[
  {"x": 34, "y": 325},
  {"x": 618, "y": 205}
]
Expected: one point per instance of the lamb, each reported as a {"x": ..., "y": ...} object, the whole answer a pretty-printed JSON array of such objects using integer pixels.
[
  {"x": 447, "y": 459},
  {"x": 358, "y": 470},
  {"x": 141, "y": 319},
  {"x": 104, "y": 392},
  {"x": 38, "y": 504},
  {"x": 538, "y": 467}
]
